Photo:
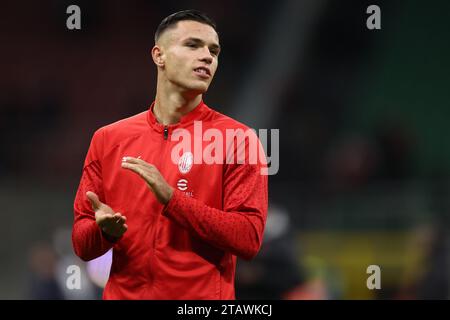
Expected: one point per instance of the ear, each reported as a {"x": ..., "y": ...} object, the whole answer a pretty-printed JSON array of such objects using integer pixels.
[{"x": 157, "y": 56}]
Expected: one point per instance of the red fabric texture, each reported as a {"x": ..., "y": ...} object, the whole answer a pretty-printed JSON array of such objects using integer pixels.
[{"x": 186, "y": 249}]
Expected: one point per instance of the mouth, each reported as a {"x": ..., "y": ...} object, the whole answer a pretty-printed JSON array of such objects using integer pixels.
[{"x": 202, "y": 72}]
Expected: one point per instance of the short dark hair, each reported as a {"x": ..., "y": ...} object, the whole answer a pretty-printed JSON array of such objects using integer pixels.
[{"x": 174, "y": 18}]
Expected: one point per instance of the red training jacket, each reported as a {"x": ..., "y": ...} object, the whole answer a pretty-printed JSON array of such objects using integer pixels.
[{"x": 187, "y": 249}]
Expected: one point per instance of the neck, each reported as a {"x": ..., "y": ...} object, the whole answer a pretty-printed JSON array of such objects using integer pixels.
[{"x": 171, "y": 106}]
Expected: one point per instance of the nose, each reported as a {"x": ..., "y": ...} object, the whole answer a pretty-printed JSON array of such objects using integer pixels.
[{"x": 206, "y": 56}]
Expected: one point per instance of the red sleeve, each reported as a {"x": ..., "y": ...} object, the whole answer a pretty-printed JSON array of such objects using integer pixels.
[
  {"x": 89, "y": 242},
  {"x": 238, "y": 228}
]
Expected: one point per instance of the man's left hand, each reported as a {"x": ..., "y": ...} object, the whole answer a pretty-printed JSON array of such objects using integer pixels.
[{"x": 155, "y": 181}]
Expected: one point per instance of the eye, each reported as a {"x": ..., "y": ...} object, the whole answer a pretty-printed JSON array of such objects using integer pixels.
[{"x": 191, "y": 45}]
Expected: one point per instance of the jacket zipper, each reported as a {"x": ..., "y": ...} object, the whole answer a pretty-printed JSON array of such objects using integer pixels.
[{"x": 157, "y": 223}]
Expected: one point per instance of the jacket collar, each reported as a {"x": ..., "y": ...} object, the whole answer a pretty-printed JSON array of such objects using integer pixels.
[{"x": 195, "y": 114}]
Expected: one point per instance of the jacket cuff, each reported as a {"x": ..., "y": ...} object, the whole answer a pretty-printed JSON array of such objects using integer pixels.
[{"x": 174, "y": 201}]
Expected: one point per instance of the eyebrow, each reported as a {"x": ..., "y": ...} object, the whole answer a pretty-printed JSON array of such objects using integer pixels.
[{"x": 200, "y": 41}]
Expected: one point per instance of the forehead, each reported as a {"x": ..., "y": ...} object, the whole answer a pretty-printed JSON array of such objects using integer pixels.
[{"x": 187, "y": 29}]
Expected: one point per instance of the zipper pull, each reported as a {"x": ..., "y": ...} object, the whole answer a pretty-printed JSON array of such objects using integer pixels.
[{"x": 166, "y": 132}]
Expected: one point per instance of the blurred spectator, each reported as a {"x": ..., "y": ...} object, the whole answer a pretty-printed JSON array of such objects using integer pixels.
[
  {"x": 88, "y": 289},
  {"x": 428, "y": 277},
  {"x": 396, "y": 145},
  {"x": 350, "y": 163},
  {"x": 275, "y": 271},
  {"x": 434, "y": 283},
  {"x": 42, "y": 278}
]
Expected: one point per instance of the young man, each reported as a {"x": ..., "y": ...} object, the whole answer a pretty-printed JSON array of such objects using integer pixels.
[{"x": 176, "y": 227}]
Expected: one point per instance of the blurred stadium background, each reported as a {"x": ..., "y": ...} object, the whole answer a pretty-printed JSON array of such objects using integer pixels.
[{"x": 364, "y": 138}]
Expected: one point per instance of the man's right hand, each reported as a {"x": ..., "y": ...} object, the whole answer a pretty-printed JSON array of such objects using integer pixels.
[{"x": 112, "y": 223}]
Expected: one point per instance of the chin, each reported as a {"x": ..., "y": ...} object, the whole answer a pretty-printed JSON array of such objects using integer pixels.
[{"x": 199, "y": 89}]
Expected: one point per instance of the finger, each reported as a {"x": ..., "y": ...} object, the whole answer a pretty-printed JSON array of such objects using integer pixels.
[
  {"x": 117, "y": 217},
  {"x": 132, "y": 160},
  {"x": 128, "y": 165},
  {"x": 136, "y": 161},
  {"x": 120, "y": 220},
  {"x": 135, "y": 168},
  {"x": 139, "y": 171},
  {"x": 121, "y": 229},
  {"x": 94, "y": 200},
  {"x": 105, "y": 219}
]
